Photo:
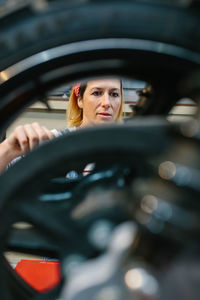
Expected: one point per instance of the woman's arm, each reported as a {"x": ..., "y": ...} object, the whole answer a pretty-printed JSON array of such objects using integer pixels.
[{"x": 22, "y": 140}]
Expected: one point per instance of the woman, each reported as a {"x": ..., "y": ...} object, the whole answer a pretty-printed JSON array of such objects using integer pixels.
[{"x": 96, "y": 102}]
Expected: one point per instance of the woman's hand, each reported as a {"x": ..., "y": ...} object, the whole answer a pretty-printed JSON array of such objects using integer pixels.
[{"x": 22, "y": 140}]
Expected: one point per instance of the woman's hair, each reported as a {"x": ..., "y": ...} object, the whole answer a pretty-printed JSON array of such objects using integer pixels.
[{"x": 75, "y": 114}]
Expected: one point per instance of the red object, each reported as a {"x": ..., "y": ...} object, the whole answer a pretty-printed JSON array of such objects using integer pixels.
[
  {"x": 76, "y": 88},
  {"x": 41, "y": 275}
]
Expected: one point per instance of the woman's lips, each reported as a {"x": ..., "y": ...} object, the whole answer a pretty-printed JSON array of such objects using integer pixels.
[{"x": 106, "y": 115}]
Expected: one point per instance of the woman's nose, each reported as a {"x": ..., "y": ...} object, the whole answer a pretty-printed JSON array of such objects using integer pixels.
[{"x": 105, "y": 101}]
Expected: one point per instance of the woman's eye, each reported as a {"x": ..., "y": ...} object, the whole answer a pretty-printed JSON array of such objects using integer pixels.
[
  {"x": 114, "y": 94},
  {"x": 96, "y": 93}
]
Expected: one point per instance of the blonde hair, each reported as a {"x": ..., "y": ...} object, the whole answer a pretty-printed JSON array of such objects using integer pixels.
[{"x": 74, "y": 113}]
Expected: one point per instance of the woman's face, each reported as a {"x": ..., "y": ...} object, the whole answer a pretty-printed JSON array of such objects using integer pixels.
[{"x": 101, "y": 102}]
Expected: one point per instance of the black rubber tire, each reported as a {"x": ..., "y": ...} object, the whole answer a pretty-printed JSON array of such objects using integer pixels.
[
  {"x": 27, "y": 31},
  {"x": 60, "y": 157}
]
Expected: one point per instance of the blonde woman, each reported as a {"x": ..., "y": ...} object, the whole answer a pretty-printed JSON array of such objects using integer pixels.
[
  {"x": 96, "y": 102},
  {"x": 93, "y": 103}
]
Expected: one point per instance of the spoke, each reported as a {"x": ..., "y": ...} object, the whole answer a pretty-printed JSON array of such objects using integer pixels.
[
  {"x": 31, "y": 240},
  {"x": 56, "y": 225},
  {"x": 59, "y": 189}
]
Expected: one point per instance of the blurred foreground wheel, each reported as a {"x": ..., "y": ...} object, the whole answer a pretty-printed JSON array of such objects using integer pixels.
[{"x": 54, "y": 208}]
